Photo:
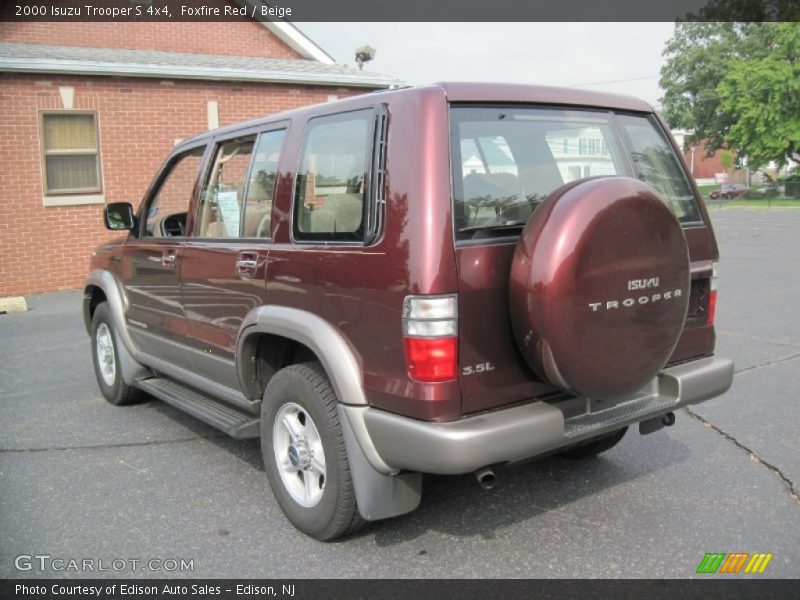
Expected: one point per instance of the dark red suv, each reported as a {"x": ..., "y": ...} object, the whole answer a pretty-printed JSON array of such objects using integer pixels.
[{"x": 441, "y": 279}]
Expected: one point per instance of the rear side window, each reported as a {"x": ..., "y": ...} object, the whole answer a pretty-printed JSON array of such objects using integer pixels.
[
  {"x": 257, "y": 218},
  {"x": 655, "y": 162},
  {"x": 331, "y": 186},
  {"x": 507, "y": 160}
]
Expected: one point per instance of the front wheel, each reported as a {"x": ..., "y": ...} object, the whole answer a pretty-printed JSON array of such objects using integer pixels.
[
  {"x": 106, "y": 360},
  {"x": 304, "y": 453}
]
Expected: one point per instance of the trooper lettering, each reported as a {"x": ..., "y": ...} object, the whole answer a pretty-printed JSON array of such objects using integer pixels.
[{"x": 629, "y": 302}]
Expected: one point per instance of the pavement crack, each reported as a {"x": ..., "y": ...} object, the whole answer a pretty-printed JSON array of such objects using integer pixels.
[
  {"x": 193, "y": 438},
  {"x": 788, "y": 483},
  {"x": 769, "y": 363},
  {"x": 761, "y": 340}
]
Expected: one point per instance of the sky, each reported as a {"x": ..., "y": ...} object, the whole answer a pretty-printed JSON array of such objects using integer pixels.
[{"x": 623, "y": 58}]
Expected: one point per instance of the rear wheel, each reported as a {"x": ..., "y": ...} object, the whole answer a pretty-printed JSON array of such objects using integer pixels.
[
  {"x": 304, "y": 453},
  {"x": 596, "y": 446},
  {"x": 106, "y": 360}
]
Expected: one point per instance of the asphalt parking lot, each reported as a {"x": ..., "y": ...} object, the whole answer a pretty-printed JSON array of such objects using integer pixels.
[{"x": 80, "y": 478}]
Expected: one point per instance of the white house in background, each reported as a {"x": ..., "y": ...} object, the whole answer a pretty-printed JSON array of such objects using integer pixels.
[{"x": 580, "y": 153}]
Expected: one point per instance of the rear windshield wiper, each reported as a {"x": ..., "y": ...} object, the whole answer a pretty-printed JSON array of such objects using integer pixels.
[{"x": 494, "y": 227}]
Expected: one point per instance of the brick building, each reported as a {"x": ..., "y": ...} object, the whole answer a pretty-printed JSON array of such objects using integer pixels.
[
  {"x": 89, "y": 110},
  {"x": 701, "y": 165},
  {"x": 704, "y": 168}
]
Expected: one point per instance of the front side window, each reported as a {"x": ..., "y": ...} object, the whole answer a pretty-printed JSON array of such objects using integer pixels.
[
  {"x": 222, "y": 200},
  {"x": 330, "y": 193},
  {"x": 166, "y": 214},
  {"x": 506, "y": 161},
  {"x": 71, "y": 155}
]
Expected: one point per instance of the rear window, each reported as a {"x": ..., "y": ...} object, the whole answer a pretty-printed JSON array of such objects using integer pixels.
[{"x": 507, "y": 160}]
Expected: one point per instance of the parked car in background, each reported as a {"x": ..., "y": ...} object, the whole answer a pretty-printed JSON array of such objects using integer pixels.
[
  {"x": 729, "y": 191},
  {"x": 442, "y": 279}
]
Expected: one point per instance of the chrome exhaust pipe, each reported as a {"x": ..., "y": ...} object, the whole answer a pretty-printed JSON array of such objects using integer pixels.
[{"x": 486, "y": 478}]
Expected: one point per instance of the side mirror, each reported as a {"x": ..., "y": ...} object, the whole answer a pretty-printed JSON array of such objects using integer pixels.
[{"x": 118, "y": 216}]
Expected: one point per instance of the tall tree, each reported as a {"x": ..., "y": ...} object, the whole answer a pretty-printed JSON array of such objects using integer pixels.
[
  {"x": 761, "y": 97},
  {"x": 726, "y": 159},
  {"x": 699, "y": 56},
  {"x": 703, "y": 55},
  {"x": 747, "y": 10}
]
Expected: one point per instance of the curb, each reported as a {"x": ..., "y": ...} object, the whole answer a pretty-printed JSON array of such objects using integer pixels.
[{"x": 13, "y": 304}]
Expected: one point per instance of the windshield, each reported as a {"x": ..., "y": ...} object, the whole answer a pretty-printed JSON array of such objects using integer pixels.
[{"x": 506, "y": 161}]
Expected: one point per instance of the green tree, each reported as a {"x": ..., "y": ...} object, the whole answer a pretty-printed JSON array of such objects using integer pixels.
[
  {"x": 748, "y": 10},
  {"x": 736, "y": 85},
  {"x": 761, "y": 97},
  {"x": 726, "y": 159},
  {"x": 699, "y": 56}
]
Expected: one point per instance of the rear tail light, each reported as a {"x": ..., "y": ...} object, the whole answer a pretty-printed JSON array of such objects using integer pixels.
[
  {"x": 712, "y": 297},
  {"x": 431, "y": 360},
  {"x": 430, "y": 337}
]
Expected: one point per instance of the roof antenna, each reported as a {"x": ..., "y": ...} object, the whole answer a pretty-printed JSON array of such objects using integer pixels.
[{"x": 364, "y": 54}]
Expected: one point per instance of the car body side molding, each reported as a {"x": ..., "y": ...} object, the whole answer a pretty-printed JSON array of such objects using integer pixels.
[
  {"x": 339, "y": 360},
  {"x": 341, "y": 363},
  {"x": 127, "y": 350}
]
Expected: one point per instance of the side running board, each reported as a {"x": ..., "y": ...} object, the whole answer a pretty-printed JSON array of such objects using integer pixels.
[{"x": 235, "y": 423}]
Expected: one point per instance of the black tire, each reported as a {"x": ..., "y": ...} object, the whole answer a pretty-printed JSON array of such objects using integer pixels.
[
  {"x": 596, "y": 446},
  {"x": 306, "y": 386},
  {"x": 116, "y": 392}
]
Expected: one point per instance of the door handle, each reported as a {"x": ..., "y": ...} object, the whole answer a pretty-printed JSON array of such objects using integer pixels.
[
  {"x": 168, "y": 258},
  {"x": 246, "y": 265}
]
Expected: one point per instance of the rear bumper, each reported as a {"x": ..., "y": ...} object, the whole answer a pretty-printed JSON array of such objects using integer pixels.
[{"x": 529, "y": 430}]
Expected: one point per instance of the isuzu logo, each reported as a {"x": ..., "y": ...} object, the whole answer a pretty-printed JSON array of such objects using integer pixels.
[
  {"x": 633, "y": 285},
  {"x": 643, "y": 284}
]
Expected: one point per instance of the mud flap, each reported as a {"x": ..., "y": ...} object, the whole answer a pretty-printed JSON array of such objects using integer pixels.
[
  {"x": 130, "y": 368},
  {"x": 379, "y": 496}
]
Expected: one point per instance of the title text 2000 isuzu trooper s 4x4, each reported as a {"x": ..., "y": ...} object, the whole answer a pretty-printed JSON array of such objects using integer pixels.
[{"x": 439, "y": 279}]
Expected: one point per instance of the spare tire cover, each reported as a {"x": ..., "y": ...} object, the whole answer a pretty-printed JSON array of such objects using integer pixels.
[{"x": 599, "y": 287}]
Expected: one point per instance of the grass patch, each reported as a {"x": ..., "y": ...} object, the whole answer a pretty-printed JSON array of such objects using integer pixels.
[
  {"x": 759, "y": 203},
  {"x": 705, "y": 190}
]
